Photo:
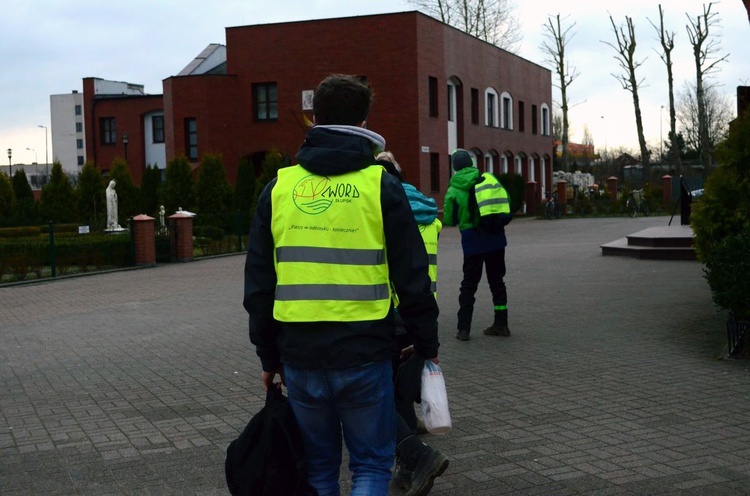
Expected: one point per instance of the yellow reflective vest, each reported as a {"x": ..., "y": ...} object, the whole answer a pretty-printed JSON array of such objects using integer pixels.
[
  {"x": 329, "y": 245},
  {"x": 429, "y": 234},
  {"x": 491, "y": 196}
]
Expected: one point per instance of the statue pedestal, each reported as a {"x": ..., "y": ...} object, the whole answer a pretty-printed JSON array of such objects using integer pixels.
[{"x": 115, "y": 230}]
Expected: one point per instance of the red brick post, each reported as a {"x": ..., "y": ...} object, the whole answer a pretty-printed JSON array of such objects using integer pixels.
[
  {"x": 612, "y": 189},
  {"x": 666, "y": 192},
  {"x": 531, "y": 198},
  {"x": 562, "y": 196},
  {"x": 183, "y": 229},
  {"x": 145, "y": 240}
]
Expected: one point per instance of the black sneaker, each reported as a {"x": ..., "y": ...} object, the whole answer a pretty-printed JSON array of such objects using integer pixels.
[
  {"x": 429, "y": 467},
  {"x": 462, "y": 335},
  {"x": 497, "y": 330}
]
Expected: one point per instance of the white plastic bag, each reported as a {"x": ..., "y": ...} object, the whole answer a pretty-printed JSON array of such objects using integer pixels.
[{"x": 435, "y": 413}]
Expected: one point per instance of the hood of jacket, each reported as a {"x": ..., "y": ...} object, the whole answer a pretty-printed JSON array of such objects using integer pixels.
[
  {"x": 335, "y": 150},
  {"x": 423, "y": 207},
  {"x": 465, "y": 179}
]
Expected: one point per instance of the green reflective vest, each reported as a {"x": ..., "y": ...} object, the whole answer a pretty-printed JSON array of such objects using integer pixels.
[
  {"x": 491, "y": 196},
  {"x": 329, "y": 246}
]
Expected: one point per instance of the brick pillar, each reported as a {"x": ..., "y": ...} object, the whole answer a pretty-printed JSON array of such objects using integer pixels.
[
  {"x": 666, "y": 192},
  {"x": 145, "y": 240},
  {"x": 562, "y": 196},
  {"x": 531, "y": 198},
  {"x": 183, "y": 229},
  {"x": 612, "y": 189}
]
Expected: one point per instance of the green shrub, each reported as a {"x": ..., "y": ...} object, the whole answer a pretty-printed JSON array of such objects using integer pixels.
[
  {"x": 212, "y": 232},
  {"x": 724, "y": 208},
  {"x": 728, "y": 273}
]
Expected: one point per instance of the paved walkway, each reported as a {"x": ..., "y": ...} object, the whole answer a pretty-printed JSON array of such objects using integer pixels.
[{"x": 613, "y": 381}]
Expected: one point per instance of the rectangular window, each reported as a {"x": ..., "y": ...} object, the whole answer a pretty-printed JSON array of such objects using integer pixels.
[
  {"x": 521, "y": 117},
  {"x": 433, "y": 93},
  {"x": 79, "y": 127},
  {"x": 507, "y": 124},
  {"x": 78, "y": 110},
  {"x": 545, "y": 121},
  {"x": 491, "y": 110},
  {"x": 534, "y": 120},
  {"x": 157, "y": 128},
  {"x": 474, "y": 106},
  {"x": 107, "y": 129},
  {"x": 191, "y": 139},
  {"x": 435, "y": 172},
  {"x": 80, "y": 160},
  {"x": 79, "y": 144},
  {"x": 265, "y": 102}
]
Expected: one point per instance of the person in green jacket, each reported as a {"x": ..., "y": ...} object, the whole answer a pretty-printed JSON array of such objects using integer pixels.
[{"x": 480, "y": 248}]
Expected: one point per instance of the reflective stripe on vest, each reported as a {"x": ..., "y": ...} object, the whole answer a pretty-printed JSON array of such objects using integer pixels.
[
  {"x": 491, "y": 196},
  {"x": 329, "y": 246}
]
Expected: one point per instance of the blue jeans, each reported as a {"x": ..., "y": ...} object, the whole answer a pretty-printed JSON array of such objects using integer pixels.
[{"x": 359, "y": 402}]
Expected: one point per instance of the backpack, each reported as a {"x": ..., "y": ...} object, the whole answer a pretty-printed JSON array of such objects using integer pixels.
[
  {"x": 268, "y": 457},
  {"x": 493, "y": 204}
]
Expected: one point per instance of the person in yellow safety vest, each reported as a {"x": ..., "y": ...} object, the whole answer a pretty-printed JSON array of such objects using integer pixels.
[
  {"x": 328, "y": 239},
  {"x": 407, "y": 366},
  {"x": 483, "y": 240}
]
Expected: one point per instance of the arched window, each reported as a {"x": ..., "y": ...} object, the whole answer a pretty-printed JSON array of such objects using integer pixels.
[
  {"x": 545, "y": 120},
  {"x": 506, "y": 109},
  {"x": 491, "y": 111}
]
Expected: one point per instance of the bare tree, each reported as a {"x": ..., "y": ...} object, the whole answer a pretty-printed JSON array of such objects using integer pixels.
[
  {"x": 625, "y": 48},
  {"x": 666, "y": 38},
  {"x": 588, "y": 150},
  {"x": 493, "y": 21},
  {"x": 705, "y": 50},
  {"x": 556, "y": 39},
  {"x": 718, "y": 114}
]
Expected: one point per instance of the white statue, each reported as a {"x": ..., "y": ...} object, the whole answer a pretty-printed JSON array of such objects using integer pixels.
[
  {"x": 161, "y": 215},
  {"x": 112, "y": 223}
]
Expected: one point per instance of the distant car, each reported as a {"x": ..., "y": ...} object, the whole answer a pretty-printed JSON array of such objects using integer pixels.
[{"x": 696, "y": 193}]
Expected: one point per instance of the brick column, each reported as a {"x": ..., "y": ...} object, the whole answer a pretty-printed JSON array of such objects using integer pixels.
[
  {"x": 145, "y": 240},
  {"x": 183, "y": 230},
  {"x": 666, "y": 192},
  {"x": 562, "y": 196},
  {"x": 612, "y": 189},
  {"x": 531, "y": 198}
]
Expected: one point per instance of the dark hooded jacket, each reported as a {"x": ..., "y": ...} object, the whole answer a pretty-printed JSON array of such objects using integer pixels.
[{"x": 334, "y": 345}]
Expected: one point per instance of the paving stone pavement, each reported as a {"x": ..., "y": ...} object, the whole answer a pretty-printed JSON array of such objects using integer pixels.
[{"x": 613, "y": 382}]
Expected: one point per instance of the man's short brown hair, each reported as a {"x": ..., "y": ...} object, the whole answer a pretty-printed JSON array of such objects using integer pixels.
[{"x": 342, "y": 100}]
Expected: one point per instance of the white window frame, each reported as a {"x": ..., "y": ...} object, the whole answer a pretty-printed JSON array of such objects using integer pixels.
[
  {"x": 506, "y": 101},
  {"x": 545, "y": 119},
  {"x": 491, "y": 121}
]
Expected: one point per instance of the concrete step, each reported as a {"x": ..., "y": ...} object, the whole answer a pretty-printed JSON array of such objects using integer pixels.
[{"x": 655, "y": 243}]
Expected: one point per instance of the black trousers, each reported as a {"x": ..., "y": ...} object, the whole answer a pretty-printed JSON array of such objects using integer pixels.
[{"x": 494, "y": 262}]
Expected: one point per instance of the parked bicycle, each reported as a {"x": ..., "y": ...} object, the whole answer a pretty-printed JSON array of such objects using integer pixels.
[
  {"x": 636, "y": 202},
  {"x": 552, "y": 207}
]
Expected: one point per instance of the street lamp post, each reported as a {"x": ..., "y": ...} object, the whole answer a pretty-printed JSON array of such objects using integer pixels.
[
  {"x": 46, "y": 158},
  {"x": 10, "y": 164},
  {"x": 36, "y": 160},
  {"x": 125, "y": 144},
  {"x": 661, "y": 138}
]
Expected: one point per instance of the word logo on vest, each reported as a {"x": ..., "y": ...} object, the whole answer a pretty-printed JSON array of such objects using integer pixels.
[{"x": 315, "y": 194}]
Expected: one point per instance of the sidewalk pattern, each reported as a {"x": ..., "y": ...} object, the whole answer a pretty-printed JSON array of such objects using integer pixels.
[{"x": 613, "y": 381}]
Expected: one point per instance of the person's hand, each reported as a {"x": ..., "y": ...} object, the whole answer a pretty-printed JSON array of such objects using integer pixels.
[
  {"x": 268, "y": 377},
  {"x": 406, "y": 353},
  {"x": 436, "y": 360}
]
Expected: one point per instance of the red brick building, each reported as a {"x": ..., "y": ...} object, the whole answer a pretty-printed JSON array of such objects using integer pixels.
[{"x": 436, "y": 89}]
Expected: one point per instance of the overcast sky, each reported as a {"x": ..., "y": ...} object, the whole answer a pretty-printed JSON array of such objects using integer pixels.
[{"x": 48, "y": 46}]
